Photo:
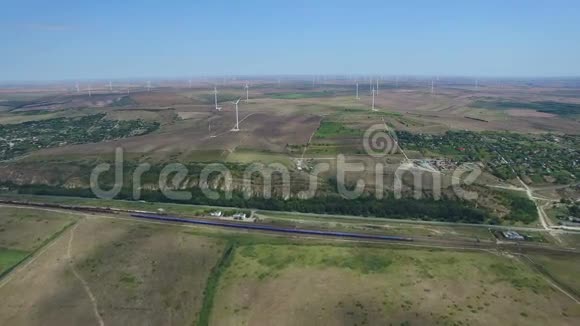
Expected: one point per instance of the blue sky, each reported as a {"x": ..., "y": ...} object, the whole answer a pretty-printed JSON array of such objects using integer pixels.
[{"x": 50, "y": 40}]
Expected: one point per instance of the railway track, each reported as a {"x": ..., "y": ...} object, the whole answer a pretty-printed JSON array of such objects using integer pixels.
[
  {"x": 259, "y": 227},
  {"x": 461, "y": 244}
]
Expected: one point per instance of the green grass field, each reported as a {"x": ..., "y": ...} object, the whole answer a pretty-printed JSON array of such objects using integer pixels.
[
  {"x": 303, "y": 285},
  {"x": 331, "y": 129},
  {"x": 262, "y": 278},
  {"x": 375, "y": 225},
  {"x": 9, "y": 258},
  {"x": 563, "y": 269},
  {"x": 121, "y": 204},
  {"x": 24, "y": 231}
]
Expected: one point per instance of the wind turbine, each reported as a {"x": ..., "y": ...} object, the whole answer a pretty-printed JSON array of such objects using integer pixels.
[
  {"x": 237, "y": 128},
  {"x": 110, "y": 86},
  {"x": 432, "y": 87},
  {"x": 78, "y": 88},
  {"x": 247, "y": 92},
  {"x": 373, "y": 108},
  {"x": 358, "y": 98},
  {"x": 377, "y": 86},
  {"x": 89, "y": 90},
  {"x": 218, "y": 108}
]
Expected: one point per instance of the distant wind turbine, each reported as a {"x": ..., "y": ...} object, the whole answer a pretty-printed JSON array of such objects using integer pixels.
[
  {"x": 77, "y": 87},
  {"x": 247, "y": 92},
  {"x": 110, "y": 86},
  {"x": 218, "y": 108},
  {"x": 358, "y": 98},
  {"x": 89, "y": 90},
  {"x": 432, "y": 87},
  {"x": 373, "y": 108},
  {"x": 237, "y": 128}
]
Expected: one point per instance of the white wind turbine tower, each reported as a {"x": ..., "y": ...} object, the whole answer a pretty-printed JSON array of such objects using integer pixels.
[
  {"x": 218, "y": 108},
  {"x": 77, "y": 87},
  {"x": 358, "y": 98},
  {"x": 377, "y": 86},
  {"x": 237, "y": 128},
  {"x": 110, "y": 86},
  {"x": 373, "y": 108},
  {"x": 89, "y": 90},
  {"x": 247, "y": 92},
  {"x": 432, "y": 87}
]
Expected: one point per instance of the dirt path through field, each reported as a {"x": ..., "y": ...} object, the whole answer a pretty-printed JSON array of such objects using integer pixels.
[{"x": 79, "y": 277}]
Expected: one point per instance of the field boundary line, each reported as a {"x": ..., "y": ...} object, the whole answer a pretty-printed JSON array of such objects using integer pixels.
[
  {"x": 308, "y": 144},
  {"x": 34, "y": 255},
  {"x": 212, "y": 283},
  {"x": 549, "y": 278}
]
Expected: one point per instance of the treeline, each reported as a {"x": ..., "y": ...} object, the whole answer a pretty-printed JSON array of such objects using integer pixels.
[
  {"x": 422, "y": 209},
  {"x": 559, "y": 108},
  {"x": 521, "y": 209}
]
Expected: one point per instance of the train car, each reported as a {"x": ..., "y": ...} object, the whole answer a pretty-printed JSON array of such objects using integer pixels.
[{"x": 273, "y": 228}]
